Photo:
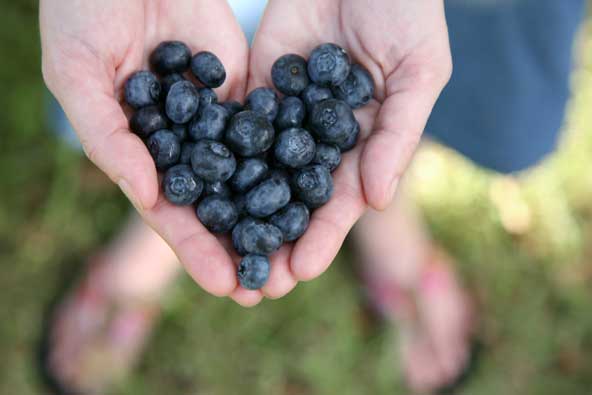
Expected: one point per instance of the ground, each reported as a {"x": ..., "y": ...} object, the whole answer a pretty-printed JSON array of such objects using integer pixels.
[{"x": 524, "y": 247}]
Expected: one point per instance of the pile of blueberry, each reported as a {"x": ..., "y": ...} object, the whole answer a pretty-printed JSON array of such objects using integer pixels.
[{"x": 254, "y": 170}]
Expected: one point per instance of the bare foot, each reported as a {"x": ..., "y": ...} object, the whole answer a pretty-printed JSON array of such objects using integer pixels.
[
  {"x": 413, "y": 285},
  {"x": 434, "y": 320},
  {"x": 96, "y": 337}
]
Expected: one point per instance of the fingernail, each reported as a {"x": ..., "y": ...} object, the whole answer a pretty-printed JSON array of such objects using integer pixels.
[{"x": 129, "y": 193}]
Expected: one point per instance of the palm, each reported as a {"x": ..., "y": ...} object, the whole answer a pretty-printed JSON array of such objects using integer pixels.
[
  {"x": 89, "y": 49},
  {"x": 404, "y": 45}
]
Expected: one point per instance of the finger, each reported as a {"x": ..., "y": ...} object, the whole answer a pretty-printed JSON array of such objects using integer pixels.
[
  {"x": 281, "y": 280},
  {"x": 330, "y": 224},
  {"x": 245, "y": 297},
  {"x": 200, "y": 252},
  {"x": 84, "y": 89},
  {"x": 410, "y": 96}
]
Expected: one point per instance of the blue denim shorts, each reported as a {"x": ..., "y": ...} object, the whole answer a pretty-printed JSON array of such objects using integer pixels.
[{"x": 505, "y": 103}]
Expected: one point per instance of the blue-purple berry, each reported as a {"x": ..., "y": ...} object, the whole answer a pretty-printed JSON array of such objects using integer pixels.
[
  {"x": 208, "y": 69},
  {"x": 327, "y": 155},
  {"x": 253, "y": 271},
  {"x": 165, "y": 148},
  {"x": 292, "y": 220},
  {"x": 210, "y": 123},
  {"x": 181, "y": 186},
  {"x": 212, "y": 161},
  {"x": 333, "y": 122},
  {"x": 328, "y": 65},
  {"x": 289, "y": 74},
  {"x": 357, "y": 89},
  {"x": 142, "y": 89},
  {"x": 217, "y": 213},
  {"x": 294, "y": 148},
  {"x": 313, "y": 185},
  {"x": 314, "y": 94},
  {"x": 148, "y": 120},
  {"x": 182, "y": 102},
  {"x": 268, "y": 197},
  {"x": 249, "y": 134},
  {"x": 249, "y": 173},
  {"x": 291, "y": 113},
  {"x": 263, "y": 101},
  {"x": 170, "y": 57}
]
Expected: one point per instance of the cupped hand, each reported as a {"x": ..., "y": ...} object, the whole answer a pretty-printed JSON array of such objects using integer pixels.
[
  {"x": 404, "y": 45},
  {"x": 89, "y": 50}
]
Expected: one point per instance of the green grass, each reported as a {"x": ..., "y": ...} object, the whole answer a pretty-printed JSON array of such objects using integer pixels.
[{"x": 523, "y": 247}]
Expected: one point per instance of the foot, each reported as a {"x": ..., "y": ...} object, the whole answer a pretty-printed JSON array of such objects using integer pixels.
[
  {"x": 434, "y": 321},
  {"x": 96, "y": 335}
]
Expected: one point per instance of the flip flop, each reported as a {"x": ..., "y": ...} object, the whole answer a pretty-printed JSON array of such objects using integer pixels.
[
  {"x": 389, "y": 301},
  {"x": 111, "y": 334}
]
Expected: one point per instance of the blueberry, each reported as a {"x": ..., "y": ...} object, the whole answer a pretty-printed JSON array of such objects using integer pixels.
[
  {"x": 294, "y": 147},
  {"x": 182, "y": 102},
  {"x": 290, "y": 114},
  {"x": 314, "y": 94},
  {"x": 147, "y": 120},
  {"x": 165, "y": 148},
  {"x": 142, "y": 89},
  {"x": 207, "y": 96},
  {"x": 180, "y": 131},
  {"x": 233, "y": 107},
  {"x": 170, "y": 57},
  {"x": 357, "y": 89},
  {"x": 217, "y": 213},
  {"x": 181, "y": 186},
  {"x": 289, "y": 74},
  {"x": 279, "y": 174},
  {"x": 268, "y": 197},
  {"x": 253, "y": 271},
  {"x": 274, "y": 163},
  {"x": 248, "y": 173},
  {"x": 217, "y": 188},
  {"x": 333, "y": 121},
  {"x": 240, "y": 201},
  {"x": 210, "y": 123},
  {"x": 257, "y": 237},
  {"x": 352, "y": 138},
  {"x": 313, "y": 185},
  {"x": 249, "y": 133},
  {"x": 208, "y": 69},
  {"x": 263, "y": 101},
  {"x": 238, "y": 234},
  {"x": 167, "y": 81},
  {"x": 328, "y": 64},
  {"x": 186, "y": 151},
  {"x": 327, "y": 155},
  {"x": 212, "y": 161},
  {"x": 292, "y": 220}
]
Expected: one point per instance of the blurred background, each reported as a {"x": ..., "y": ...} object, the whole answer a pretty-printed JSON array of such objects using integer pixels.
[{"x": 524, "y": 245}]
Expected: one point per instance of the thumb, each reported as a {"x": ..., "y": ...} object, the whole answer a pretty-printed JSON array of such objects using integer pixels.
[
  {"x": 410, "y": 96},
  {"x": 87, "y": 96}
]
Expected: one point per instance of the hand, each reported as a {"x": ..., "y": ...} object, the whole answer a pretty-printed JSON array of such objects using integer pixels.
[
  {"x": 89, "y": 50},
  {"x": 404, "y": 45}
]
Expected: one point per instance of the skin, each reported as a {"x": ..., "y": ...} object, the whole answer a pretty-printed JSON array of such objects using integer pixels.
[
  {"x": 90, "y": 48},
  {"x": 404, "y": 45}
]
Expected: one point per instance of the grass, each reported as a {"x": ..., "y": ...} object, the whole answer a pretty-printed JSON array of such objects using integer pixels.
[{"x": 523, "y": 245}]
